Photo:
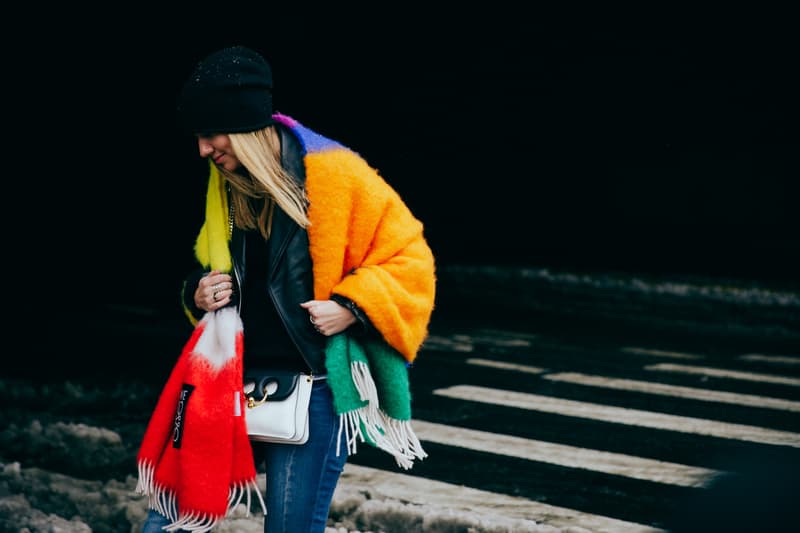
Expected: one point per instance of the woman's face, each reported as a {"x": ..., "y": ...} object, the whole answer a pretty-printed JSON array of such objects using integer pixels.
[{"x": 218, "y": 148}]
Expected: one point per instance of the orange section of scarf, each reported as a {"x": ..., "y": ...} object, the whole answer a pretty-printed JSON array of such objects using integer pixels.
[{"x": 366, "y": 245}]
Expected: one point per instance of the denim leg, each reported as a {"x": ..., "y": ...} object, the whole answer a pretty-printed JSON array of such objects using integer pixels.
[
  {"x": 301, "y": 478},
  {"x": 155, "y": 523}
]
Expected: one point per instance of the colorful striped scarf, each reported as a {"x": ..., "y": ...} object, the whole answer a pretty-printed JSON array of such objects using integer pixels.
[{"x": 195, "y": 462}]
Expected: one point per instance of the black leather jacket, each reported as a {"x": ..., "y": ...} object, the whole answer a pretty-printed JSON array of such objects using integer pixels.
[{"x": 290, "y": 276}]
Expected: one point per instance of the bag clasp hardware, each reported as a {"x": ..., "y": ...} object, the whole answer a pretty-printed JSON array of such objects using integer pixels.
[{"x": 253, "y": 403}]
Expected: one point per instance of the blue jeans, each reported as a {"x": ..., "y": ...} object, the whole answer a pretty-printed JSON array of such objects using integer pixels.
[{"x": 300, "y": 478}]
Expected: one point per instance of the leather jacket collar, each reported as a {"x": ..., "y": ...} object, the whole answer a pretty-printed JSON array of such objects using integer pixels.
[{"x": 290, "y": 277}]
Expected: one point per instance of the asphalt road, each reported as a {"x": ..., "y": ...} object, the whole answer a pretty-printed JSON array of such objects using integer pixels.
[
  {"x": 595, "y": 406},
  {"x": 617, "y": 426}
]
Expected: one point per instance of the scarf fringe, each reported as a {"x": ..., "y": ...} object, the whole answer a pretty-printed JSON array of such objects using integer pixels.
[
  {"x": 163, "y": 500},
  {"x": 370, "y": 423}
]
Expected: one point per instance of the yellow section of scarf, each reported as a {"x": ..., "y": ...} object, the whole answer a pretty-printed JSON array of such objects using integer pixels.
[{"x": 211, "y": 247}]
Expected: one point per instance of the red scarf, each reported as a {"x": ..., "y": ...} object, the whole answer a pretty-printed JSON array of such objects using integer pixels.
[{"x": 195, "y": 462}]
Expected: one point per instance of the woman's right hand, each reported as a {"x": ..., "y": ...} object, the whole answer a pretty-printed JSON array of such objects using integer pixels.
[{"x": 214, "y": 291}]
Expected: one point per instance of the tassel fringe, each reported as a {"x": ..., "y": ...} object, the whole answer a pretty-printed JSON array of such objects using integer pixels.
[
  {"x": 163, "y": 500},
  {"x": 369, "y": 422}
]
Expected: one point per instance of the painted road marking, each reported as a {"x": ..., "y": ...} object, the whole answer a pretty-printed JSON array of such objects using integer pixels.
[
  {"x": 660, "y": 353},
  {"x": 507, "y": 334},
  {"x": 466, "y": 343},
  {"x": 722, "y": 373},
  {"x": 498, "y": 340},
  {"x": 505, "y": 366},
  {"x": 563, "y": 455},
  {"x": 621, "y": 415},
  {"x": 446, "y": 344},
  {"x": 779, "y": 359},
  {"x": 649, "y": 387},
  {"x": 434, "y": 497}
]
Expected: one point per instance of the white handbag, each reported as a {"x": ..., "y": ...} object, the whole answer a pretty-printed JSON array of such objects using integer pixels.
[{"x": 277, "y": 405}]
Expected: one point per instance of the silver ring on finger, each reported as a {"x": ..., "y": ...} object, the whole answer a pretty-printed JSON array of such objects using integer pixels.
[{"x": 311, "y": 318}]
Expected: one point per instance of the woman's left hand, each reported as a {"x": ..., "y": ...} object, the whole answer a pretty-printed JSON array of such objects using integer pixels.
[{"x": 328, "y": 317}]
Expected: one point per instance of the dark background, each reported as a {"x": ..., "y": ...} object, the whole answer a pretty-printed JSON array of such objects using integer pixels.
[{"x": 651, "y": 140}]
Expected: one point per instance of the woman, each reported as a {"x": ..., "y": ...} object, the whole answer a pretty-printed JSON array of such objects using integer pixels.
[{"x": 303, "y": 244}]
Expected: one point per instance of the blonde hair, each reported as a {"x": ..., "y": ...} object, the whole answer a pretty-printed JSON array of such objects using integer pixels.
[{"x": 260, "y": 153}]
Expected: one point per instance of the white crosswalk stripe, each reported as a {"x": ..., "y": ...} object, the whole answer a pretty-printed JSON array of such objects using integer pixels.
[
  {"x": 723, "y": 373},
  {"x": 505, "y": 366},
  {"x": 660, "y": 353},
  {"x": 621, "y": 415},
  {"x": 778, "y": 359},
  {"x": 676, "y": 391},
  {"x": 563, "y": 455}
]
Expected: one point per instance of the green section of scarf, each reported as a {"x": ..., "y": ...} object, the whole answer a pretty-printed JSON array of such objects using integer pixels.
[{"x": 371, "y": 395}]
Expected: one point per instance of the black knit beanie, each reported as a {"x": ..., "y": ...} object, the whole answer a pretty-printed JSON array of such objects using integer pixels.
[{"x": 230, "y": 91}]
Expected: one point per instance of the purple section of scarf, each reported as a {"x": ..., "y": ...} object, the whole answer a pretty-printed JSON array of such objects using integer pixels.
[
  {"x": 285, "y": 120},
  {"x": 311, "y": 141}
]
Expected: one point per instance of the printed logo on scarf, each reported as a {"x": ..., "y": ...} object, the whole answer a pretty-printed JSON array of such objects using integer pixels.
[{"x": 177, "y": 426}]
